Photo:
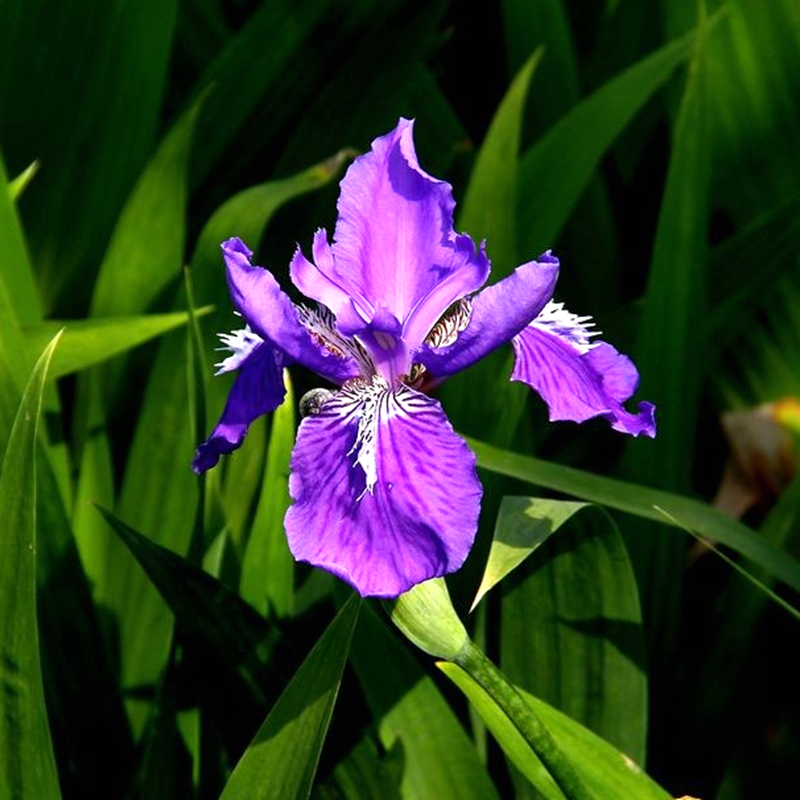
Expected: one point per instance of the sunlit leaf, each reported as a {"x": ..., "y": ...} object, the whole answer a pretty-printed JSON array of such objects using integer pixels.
[
  {"x": 644, "y": 502},
  {"x": 88, "y": 342},
  {"x": 522, "y": 525},
  {"x": 489, "y": 212},
  {"x": 28, "y": 766},
  {"x": 607, "y": 772},
  {"x": 571, "y": 629},
  {"x": 439, "y": 758},
  {"x": 18, "y": 185},
  {"x": 282, "y": 759},
  {"x": 268, "y": 567},
  {"x": 91, "y": 112},
  {"x": 489, "y": 208},
  {"x": 556, "y": 170}
]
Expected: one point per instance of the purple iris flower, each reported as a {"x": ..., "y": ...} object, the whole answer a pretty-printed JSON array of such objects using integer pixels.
[{"x": 385, "y": 493}]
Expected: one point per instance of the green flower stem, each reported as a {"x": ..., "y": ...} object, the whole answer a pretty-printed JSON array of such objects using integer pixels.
[
  {"x": 426, "y": 616},
  {"x": 473, "y": 661}
]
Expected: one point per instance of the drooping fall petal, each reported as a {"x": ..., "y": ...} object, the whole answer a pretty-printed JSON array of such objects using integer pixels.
[
  {"x": 578, "y": 381},
  {"x": 386, "y": 494},
  {"x": 258, "y": 389}
]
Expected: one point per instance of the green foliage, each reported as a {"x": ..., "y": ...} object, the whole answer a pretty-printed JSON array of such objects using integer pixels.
[
  {"x": 170, "y": 646},
  {"x": 28, "y": 766}
]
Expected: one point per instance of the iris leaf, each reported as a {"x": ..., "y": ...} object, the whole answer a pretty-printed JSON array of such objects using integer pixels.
[
  {"x": 571, "y": 622},
  {"x": 204, "y": 608},
  {"x": 489, "y": 209},
  {"x": 606, "y": 772},
  {"x": 268, "y": 567},
  {"x": 556, "y": 170},
  {"x": 523, "y": 524},
  {"x": 489, "y": 212},
  {"x": 88, "y": 342},
  {"x": 26, "y": 753},
  {"x": 17, "y": 276},
  {"x": 146, "y": 250},
  {"x": 282, "y": 759},
  {"x": 18, "y": 185},
  {"x": 440, "y": 760},
  {"x": 671, "y": 346},
  {"x": 644, "y": 502},
  {"x": 91, "y": 114}
]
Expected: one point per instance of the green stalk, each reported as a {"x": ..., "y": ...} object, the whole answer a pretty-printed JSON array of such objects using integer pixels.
[
  {"x": 427, "y": 618},
  {"x": 474, "y": 662}
]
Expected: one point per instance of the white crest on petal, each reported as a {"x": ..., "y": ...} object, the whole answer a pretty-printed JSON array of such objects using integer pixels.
[
  {"x": 240, "y": 344},
  {"x": 555, "y": 319},
  {"x": 370, "y": 400},
  {"x": 321, "y": 324}
]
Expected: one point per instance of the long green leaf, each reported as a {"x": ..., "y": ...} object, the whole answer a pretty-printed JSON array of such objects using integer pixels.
[
  {"x": 489, "y": 209},
  {"x": 17, "y": 274},
  {"x": 20, "y": 306},
  {"x": 268, "y": 567},
  {"x": 522, "y": 525},
  {"x": 28, "y": 766},
  {"x": 204, "y": 608},
  {"x": 88, "y": 342},
  {"x": 146, "y": 249},
  {"x": 608, "y": 773},
  {"x": 641, "y": 501},
  {"x": 363, "y": 774},
  {"x": 556, "y": 170},
  {"x": 440, "y": 761},
  {"x": 282, "y": 759},
  {"x": 254, "y": 60},
  {"x": 571, "y": 622},
  {"x": 671, "y": 346},
  {"x": 145, "y": 255},
  {"x": 490, "y": 212},
  {"x": 92, "y": 109}
]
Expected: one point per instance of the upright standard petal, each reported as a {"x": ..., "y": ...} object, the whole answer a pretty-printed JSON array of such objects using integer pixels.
[
  {"x": 272, "y": 315},
  {"x": 576, "y": 379},
  {"x": 386, "y": 494},
  {"x": 394, "y": 247},
  {"x": 258, "y": 389},
  {"x": 497, "y": 314}
]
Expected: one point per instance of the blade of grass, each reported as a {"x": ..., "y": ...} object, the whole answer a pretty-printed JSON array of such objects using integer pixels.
[
  {"x": 571, "y": 623},
  {"x": 556, "y": 170},
  {"x": 282, "y": 759},
  {"x": 641, "y": 501},
  {"x": 609, "y": 774},
  {"x": 26, "y": 750},
  {"x": 268, "y": 567},
  {"x": 88, "y": 342}
]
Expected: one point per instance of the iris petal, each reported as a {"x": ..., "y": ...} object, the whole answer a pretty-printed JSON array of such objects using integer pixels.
[
  {"x": 258, "y": 389},
  {"x": 386, "y": 494},
  {"x": 498, "y": 313},
  {"x": 395, "y": 247},
  {"x": 273, "y": 316},
  {"x": 578, "y": 383}
]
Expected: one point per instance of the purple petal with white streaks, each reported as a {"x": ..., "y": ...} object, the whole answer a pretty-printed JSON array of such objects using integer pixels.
[
  {"x": 498, "y": 313},
  {"x": 395, "y": 248},
  {"x": 580, "y": 385},
  {"x": 258, "y": 389},
  {"x": 384, "y": 512},
  {"x": 270, "y": 313}
]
